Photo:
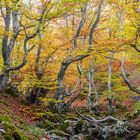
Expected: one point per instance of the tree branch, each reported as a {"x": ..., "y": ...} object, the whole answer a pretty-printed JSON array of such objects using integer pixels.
[
  {"x": 95, "y": 24},
  {"x": 125, "y": 77},
  {"x": 93, "y": 120},
  {"x": 24, "y": 59},
  {"x": 80, "y": 25}
]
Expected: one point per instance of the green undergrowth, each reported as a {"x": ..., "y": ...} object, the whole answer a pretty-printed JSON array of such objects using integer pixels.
[
  {"x": 23, "y": 131},
  {"x": 135, "y": 113}
]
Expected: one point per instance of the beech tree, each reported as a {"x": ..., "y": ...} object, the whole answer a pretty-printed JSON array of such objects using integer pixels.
[
  {"x": 41, "y": 65},
  {"x": 61, "y": 92},
  {"x": 134, "y": 44},
  {"x": 13, "y": 15}
]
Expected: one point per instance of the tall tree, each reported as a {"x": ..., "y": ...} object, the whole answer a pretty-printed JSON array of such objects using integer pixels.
[
  {"x": 12, "y": 16},
  {"x": 61, "y": 92}
]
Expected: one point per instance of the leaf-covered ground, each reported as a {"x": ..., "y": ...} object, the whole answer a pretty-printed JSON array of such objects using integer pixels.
[
  {"x": 24, "y": 118},
  {"x": 18, "y": 117}
]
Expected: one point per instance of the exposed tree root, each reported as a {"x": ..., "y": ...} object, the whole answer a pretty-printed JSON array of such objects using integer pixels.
[{"x": 93, "y": 120}]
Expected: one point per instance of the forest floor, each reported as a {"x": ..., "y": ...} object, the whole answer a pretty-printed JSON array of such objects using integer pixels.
[
  {"x": 21, "y": 116},
  {"x": 12, "y": 107},
  {"x": 25, "y": 117}
]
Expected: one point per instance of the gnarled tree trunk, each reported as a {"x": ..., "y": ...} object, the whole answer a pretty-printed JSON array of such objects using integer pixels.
[
  {"x": 12, "y": 17},
  {"x": 60, "y": 92},
  {"x": 3, "y": 81}
]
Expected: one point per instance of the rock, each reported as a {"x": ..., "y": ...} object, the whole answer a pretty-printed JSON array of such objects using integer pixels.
[
  {"x": 63, "y": 126},
  {"x": 70, "y": 130},
  {"x": 81, "y": 127},
  {"x": 71, "y": 126},
  {"x": 118, "y": 129},
  {"x": 55, "y": 137},
  {"x": 77, "y": 137},
  {"x": 2, "y": 131},
  {"x": 43, "y": 139},
  {"x": 48, "y": 125},
  {"x": 93, "y": 132}
]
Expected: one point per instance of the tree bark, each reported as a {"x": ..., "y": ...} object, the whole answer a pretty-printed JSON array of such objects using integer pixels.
[
  {"x": 8, "y": 42},
  {"x": 109, "y": 82},
  {"x": 3, "y": 81},
  {"x": 63, "y": 69},
  {"x": 60, "y": 92},
  {"x": 81, "y": 24},
  {"x": 126, "y": 80}
]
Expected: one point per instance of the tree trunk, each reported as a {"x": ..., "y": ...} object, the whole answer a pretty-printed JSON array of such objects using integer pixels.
[
  {"x": 111, "y": 54},
  {"x": 3, "y": 81},
  {"x": 90, "y": 94},
  {"x": 60, "y": 92}
]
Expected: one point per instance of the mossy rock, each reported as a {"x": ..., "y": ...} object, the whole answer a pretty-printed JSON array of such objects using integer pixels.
[
  {"x": 81, "y": 127},
  {"x": 53, "y": 117},
  {"x": 51, "y": 106},
  {"x": 8, "y": 137},
  {"x": 13, "y": 91},
  {"x": 17, "y": 135},
  {"x": 137, "y": 113},
  {"x": 63, "y": 126},
  {"x": 128, "y": 115},
  {"x": 59, "y": 133},
  {"x": 121, "y": 107},
  {"x": 48, "y": 125},
  {"x": 114, "y": 138}
]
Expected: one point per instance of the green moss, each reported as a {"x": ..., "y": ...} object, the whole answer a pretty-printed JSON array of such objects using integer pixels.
[
  {"x": 25, "y": 138},
  {"x": 53, "y": 117},
  {"x": 8, "y": 137},
  {"x": 128, "y": 115},
  {"x": 34, "y": 130},
  {"x": 40, "y": 115},
  {"x": 8, "y": 131},
  {"x": 14, "y": 133},
  {"x": 79, "y": 126},
  {"x": 47, "y": 125},
  {"x": 136, "y": 108},
  {"x": 7, "y": 126},
  {"x": 114, "y": 138},
  {"x": 63, "y": 126},
  {"x": 138, "y": 136},
  {"x": 1, "y": 135},
  {"x": 17, "y": 135},
  {"x": 11, "y": 91},
  {"x": 59, "y": 133},
  {"x": 4, "y": 118}
]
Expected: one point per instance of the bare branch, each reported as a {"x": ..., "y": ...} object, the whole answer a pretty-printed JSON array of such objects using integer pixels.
[
  {"x": 73, "y": 90},
  {"x": 125, "y": 77},
  {"x": 93, "y": 120},
  {"x": 24, "y": 61},
  {"x": 135, "y": 45},
  {"x": 2, "y": 12},
  {"x": 80, "y": 25},
  {"x": 95, "y": 24}
]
